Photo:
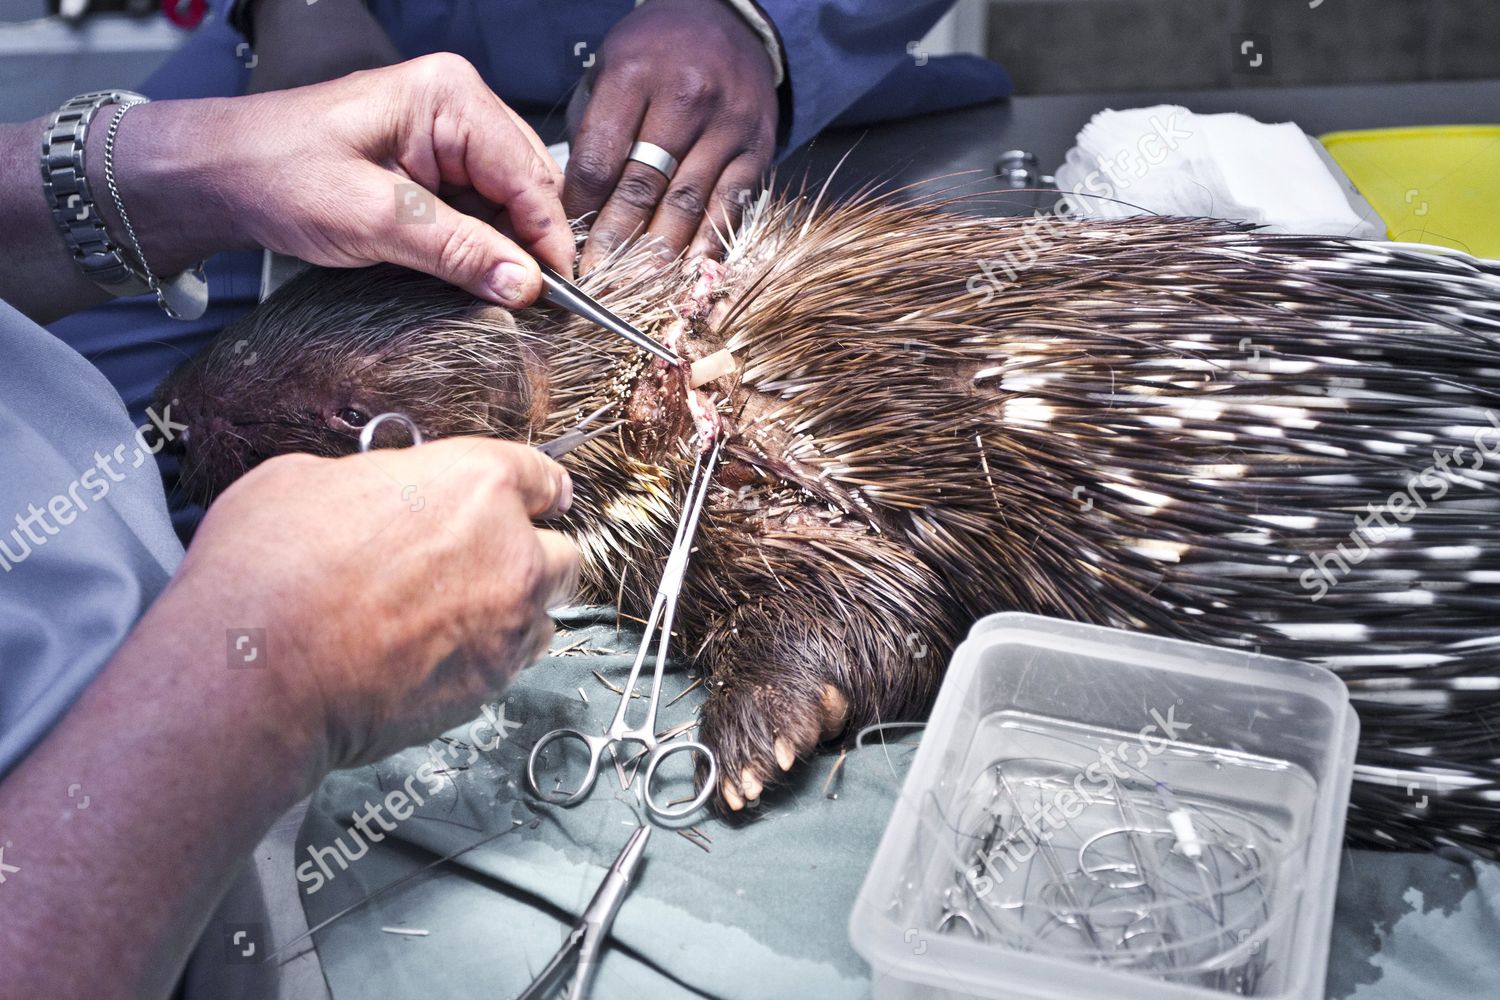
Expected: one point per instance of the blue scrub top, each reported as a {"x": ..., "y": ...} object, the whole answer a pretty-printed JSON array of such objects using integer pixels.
[
  {"x": 85, "y": 541},
  {"x": 847, "y": 61}
]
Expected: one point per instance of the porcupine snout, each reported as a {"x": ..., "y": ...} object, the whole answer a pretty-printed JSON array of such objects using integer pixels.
[{"x": 331, "y": 350}]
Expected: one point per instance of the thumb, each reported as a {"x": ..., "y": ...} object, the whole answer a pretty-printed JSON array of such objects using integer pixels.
[{"x": 462, "y": 251}]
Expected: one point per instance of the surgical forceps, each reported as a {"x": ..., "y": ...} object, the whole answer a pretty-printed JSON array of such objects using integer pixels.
[
  {"x": 554, "y": 449},
  {"x": 559, "y": 291},
  {"x": 586, "y": 939},
  {"x": 663, "y": 610},
  {"x": 564, "y": 443}
]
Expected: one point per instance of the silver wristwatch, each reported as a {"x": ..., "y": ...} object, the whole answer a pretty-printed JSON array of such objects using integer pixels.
[
  {"x": 71, "y": 200},
  {"x": 100, "y": 257}
]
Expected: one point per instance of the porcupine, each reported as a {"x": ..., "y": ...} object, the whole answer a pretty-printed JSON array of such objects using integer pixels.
[{"x": 1171, "y": 425}]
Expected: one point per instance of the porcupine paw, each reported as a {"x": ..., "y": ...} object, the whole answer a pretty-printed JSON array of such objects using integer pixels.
[{"x": 759, "y": 728}]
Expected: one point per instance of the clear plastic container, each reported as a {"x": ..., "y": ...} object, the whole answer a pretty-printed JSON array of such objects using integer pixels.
[{"x": 1101, "y": 813}]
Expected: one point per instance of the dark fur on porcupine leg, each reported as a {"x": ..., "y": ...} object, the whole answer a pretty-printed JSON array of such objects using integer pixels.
[
  {"x": 798, "y": 655},
  {"x": 772, "y": 703}
]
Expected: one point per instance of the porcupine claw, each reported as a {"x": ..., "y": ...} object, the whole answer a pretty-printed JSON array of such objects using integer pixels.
[
  {"x": 835, "y": 711},
  {"x": 785, "y": 755},
  {"x": 800, "y": 724}
]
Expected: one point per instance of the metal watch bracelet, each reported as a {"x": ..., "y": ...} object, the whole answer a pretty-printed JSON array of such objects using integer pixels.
[{"x": 70, "y": 198}]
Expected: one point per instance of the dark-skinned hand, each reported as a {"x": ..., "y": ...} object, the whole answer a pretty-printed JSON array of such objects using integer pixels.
[{"x": 693, "y": 78}]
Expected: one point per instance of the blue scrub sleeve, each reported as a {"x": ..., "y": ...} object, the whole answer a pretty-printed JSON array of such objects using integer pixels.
[
  {"x": 838, "y": 51},
  {"x": 85, "y": 541},
  {"x": 213, "y": 62}
]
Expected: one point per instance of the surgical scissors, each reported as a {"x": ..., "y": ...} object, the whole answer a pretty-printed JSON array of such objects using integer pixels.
[
  {"x": 367, "y": 433},
  {"x": 663, "y": 610},
  {"x": 561, "y": 292}
]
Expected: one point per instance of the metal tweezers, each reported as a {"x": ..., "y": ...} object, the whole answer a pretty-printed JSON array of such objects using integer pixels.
[
  {"x": 566, "y": 442},
  {"x": 561, "y": 292},
  {"x": 586, "y": 940}
]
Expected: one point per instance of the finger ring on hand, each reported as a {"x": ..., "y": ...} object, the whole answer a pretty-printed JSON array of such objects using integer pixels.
[{"x": 654, "y": 157}]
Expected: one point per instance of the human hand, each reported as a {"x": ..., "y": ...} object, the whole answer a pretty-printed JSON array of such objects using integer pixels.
[
  {"x": 341, "y": 174},
  {"x": 399, "y": 589},
  {"x": 693, "y": 78}
]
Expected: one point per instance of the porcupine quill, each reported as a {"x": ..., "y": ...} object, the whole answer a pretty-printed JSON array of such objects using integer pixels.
[{"x": 1159, "y": 424}]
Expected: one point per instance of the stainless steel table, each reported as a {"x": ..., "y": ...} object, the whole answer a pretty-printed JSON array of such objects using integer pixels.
[{"x": 918, "y": 149}]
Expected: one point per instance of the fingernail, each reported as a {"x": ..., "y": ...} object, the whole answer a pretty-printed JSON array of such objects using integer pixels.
[
  {"x": 564, "y": 492},
  {"x": 507, "y": 281}
]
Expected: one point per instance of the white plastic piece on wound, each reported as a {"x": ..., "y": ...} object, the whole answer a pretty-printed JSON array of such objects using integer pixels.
[
  {"x": 1186, "y": 834},
  {"x": 716, "y": 365}
]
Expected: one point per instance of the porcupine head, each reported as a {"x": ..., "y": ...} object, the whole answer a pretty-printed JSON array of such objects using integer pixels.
[{"x": 803, "y": 609}]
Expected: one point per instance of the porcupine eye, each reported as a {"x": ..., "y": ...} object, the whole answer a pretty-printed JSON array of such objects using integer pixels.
[{"x": 349, "y": 418}]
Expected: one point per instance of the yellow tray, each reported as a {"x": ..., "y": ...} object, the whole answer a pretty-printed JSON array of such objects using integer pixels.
[{"x": 1436, "y": 184}]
